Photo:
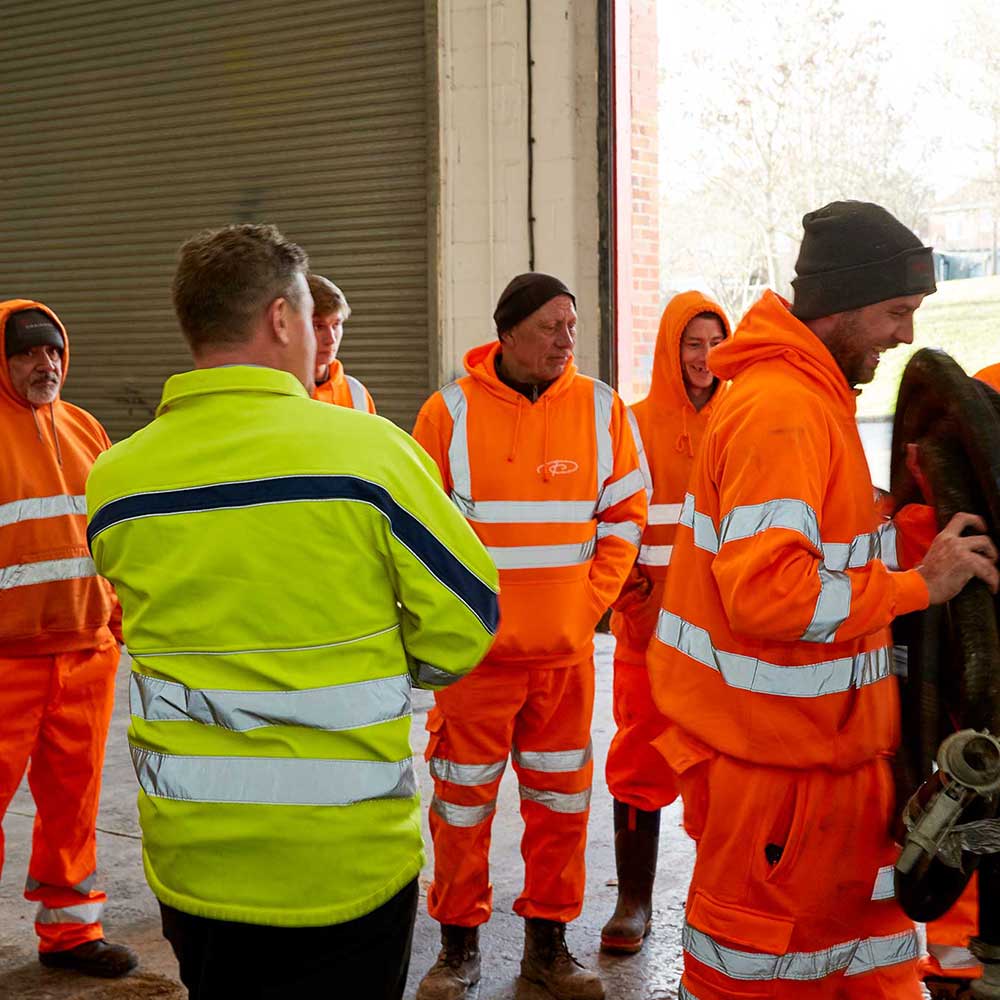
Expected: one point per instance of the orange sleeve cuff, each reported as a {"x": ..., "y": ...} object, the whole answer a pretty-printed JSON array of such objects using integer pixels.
[{"x": 911, "y": 592}]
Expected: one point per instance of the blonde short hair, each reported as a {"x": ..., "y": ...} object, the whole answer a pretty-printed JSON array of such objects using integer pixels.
[{"x": 327, "y": 297}]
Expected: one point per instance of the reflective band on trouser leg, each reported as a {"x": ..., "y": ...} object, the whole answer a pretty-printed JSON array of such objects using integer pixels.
[
  {"x": 553, "y": 760},
  {"x": 852, "y": 957},
  {"x": 65, "y": 783},
  {"x": 948, "y": 937}
]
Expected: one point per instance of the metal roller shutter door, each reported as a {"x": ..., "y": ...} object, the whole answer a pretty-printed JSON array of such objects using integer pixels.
[{"x": 129, "y": 126}]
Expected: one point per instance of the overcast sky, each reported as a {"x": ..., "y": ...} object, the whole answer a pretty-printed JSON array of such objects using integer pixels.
[{"x": 915, "y": 31}]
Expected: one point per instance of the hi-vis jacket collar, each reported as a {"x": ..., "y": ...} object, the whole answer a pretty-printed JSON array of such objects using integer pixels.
[{"x": 228, "y": 378}]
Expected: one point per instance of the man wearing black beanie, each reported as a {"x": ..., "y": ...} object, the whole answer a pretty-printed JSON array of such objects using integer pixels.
[
  {"x": 542, "y": 462},
  {"x": 772, "y": 658}
]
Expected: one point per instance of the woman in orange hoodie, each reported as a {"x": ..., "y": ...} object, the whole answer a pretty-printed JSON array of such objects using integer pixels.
[{"x": 669, "y": 423}]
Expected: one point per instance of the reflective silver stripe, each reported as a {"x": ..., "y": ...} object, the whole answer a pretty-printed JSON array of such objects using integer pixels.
[
  {"x": 655, "y": 555},
  {"x": 35, "y": 508},
  {"x": 426, "y": 675},
  {"x": 627, "y": 530},
  {"x": 604, "y": 397},
  {"x": 832, "y": 606},
  {"x": 560, "y": 802},
  {"x": 794, "y": 515},
  {"x": 647, "y": 476},
  {"x": 458, "y": 447},
  {"x": 664, "y": 513},
  {"x": 469, "y": 775},
  {"x": 86, "y": 885},
  {"x": 884, "y": 887},
  {"x": 82, "y": 913},
  {"x": 621, "y": 489},
  {"x": 862, "y": 549},
  {"x": 525, "y": 511},
  {"x": 554, "y": 761},
  {"x": 49, "y": 571},
  {"x": 455, "y": 815},
  {"x": 359, "y": 400},
  {"x": 541, "y": 556},
  {"x": 284, "y": 781},
  {"x": 339, "y": 706},
  {"x": 952, "y": 957},
  {"x": 854, "y": 957},
  {"x": 705, "y": 535},
  {"x": 751, "y": 674},
  {"x": 878, "y": 952}
]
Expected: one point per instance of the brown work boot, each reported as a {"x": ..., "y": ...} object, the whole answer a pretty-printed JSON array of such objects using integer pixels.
[
  {"x": 637, "y": 839},
  {"x": 456, "y": 970},
  {"x": 93, "y": 958},
  {"x": 547, "y": 962}
]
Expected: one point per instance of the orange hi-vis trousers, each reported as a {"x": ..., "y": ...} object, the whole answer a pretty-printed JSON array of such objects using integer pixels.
[
  {"x": 792, "y": 891},
  {"x": 636, "y": 774},
  {"x": 542, "y": 718},
  {"x": 948, "y": 937},
  {"x": 55, "y": 711}
]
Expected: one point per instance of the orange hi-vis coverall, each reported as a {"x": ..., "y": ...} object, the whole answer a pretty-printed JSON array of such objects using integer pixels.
[
  {"x": 948, "y": 937},
  {"x": 57, "y": 649},
  {"x": 772, "y": 661},
  {"x": 554, "y": 491},
  {"x": 668, "y": 432},
  {"x": 342, "y": 389}
]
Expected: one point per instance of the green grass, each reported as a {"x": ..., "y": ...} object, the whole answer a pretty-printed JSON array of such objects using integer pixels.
[{"x": 962, "y": 318}]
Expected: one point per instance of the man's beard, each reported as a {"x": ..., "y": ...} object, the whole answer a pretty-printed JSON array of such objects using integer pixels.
[
  {"x": 843, "y": 344},
  {"x": 42, "y": 393}
]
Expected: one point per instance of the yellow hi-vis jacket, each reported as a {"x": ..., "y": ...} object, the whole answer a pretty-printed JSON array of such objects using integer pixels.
[{"x": 287, "y": 569}]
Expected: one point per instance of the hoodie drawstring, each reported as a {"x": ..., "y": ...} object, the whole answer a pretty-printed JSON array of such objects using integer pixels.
[
  {"x": 517, "y": 429},
  {"x": 546, "y": 475},
  {"x": 55, "y": 434},
  {"x": 683, "y": 442},
  {"x": 55, "y": 431}
]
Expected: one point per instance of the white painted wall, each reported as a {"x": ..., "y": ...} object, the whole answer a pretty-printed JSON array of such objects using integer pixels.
[{"x": 483, "y": 170}]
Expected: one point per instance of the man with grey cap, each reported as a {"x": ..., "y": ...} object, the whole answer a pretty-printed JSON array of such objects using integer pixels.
[
  {"x": 59, "y": 623},
  {"x": 542, "y": 462},
  {"x": 772, "y": 655}
]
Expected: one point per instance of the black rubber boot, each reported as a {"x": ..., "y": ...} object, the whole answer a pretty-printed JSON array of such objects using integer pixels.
[
  {"x": 93, "y": 958},
  {"x": 457, "y": 969},
  {"x": 547, "y": 962},
  {"x": 637, "y": 840}
]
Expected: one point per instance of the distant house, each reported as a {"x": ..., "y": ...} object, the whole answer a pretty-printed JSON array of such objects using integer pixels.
[{"x": 963, "y": 230}]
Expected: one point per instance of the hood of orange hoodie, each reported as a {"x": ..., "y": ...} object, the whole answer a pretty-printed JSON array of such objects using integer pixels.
[
  {"x": 769, "y": 332},
  {"x": 667, "y": 383},
  {"x": 480, "y": 363},
  {"x": 8, "y": 394}
]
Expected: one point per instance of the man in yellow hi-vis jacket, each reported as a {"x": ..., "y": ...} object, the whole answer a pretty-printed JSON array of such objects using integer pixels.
[{"x": 287, "y": 570}]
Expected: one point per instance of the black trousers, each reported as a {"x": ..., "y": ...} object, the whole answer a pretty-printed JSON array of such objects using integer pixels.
[{"x": 364, "y": 958}]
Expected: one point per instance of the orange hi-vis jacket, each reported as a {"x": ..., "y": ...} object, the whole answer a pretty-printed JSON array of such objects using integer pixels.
[
  {"x": 669, "y": 431},
  {"x": 342, "y": 389},
  {"x": 51, "y": 598},
  {"x": 773, "y": 643},
  {"x": 991, "y": 376},
  {"x": 554, "y": 491}
]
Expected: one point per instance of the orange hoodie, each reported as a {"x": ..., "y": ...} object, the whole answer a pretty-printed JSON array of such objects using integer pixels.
[
  {"x": 552, "y": 489},
  {"x": 670, "y": 430},
  {"x": 773, "y": 645},
  {"x": 51, "y": 600},
  {"x": 991, "y": 376},
  {"x": 342, "y": 389}
]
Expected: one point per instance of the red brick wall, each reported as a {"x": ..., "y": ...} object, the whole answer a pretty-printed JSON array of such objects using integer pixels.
[{"x": 645, "y": 180}]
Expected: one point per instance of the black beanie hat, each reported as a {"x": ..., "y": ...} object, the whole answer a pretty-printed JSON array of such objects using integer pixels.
[
  {"x": 523, "y": 295},
  {"x": 854, "y": 254},
  {"x": 30, "y": 328}
]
